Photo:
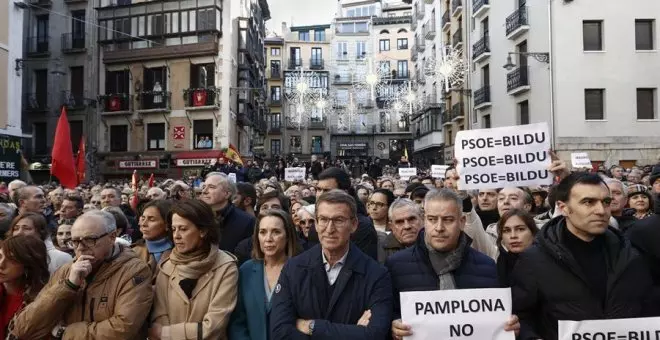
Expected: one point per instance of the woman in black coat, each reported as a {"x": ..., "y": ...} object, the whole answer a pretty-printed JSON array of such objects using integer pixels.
[{"x": 516, "y": 230}]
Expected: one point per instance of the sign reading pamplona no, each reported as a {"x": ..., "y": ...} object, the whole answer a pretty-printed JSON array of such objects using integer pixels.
[
  {"x": 500, "y": 157},
  {"x": 477, "y": 314}
]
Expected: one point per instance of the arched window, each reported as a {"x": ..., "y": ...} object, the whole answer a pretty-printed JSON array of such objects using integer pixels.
[
  {"x": 403, "y": 30},
  {"x": 384, "y": 32}
]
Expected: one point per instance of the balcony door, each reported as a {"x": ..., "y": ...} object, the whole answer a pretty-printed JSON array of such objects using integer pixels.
[
  {"x": 522, "y": 48},
  {"x": 317, "y": 56},
  {"x": 485, "y": 76},
  {"x": 41, "y": 88},
  {"x": 42, "y": 33},
  {"x": 296, "y": 58},
  {"x": 77, "y": 84}
]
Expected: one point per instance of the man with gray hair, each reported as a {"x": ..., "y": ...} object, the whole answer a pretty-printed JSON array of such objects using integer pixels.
[
  {"x": 105, "y": 294},
  {"x": 406, "y": 220},
  {"x": 441, "y": 258},
  {"x": 13, "y": 186},
  {"x": 235, "y": 224},
  {"x": 619, "y": 195}
]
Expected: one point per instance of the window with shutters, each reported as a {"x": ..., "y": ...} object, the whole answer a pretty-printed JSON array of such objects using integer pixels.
[{"x": 594, "y": 104}]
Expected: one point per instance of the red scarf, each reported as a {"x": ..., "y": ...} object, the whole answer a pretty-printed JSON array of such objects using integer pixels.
[{"x": 9, "y": 305}]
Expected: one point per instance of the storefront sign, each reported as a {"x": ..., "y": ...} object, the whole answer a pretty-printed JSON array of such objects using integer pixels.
[
  {"x": 196, "y": 162},
  {"x": 616, "y": 329},
  {"x": 352, "y": 146},
  {"x": 152, "y": 164},
  {"x": 10, "y": 157},
  {"x": 475, "y": 314},
  {"x": 500, "y": 157}
]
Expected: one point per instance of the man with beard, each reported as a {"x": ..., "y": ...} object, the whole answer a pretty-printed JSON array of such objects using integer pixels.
[{"x": 246, "y": 198}]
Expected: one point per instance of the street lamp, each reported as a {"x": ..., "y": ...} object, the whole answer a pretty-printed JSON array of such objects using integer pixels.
[{"x": 540, "y": 57}]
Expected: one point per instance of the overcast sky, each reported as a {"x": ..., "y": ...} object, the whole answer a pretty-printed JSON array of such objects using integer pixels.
[{"x": 303, "y": 12}]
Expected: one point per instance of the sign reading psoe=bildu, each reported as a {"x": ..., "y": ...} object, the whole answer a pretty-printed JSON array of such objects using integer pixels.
[
  {"x": 475, "y": 314},
  {"x": 612, "y": 329},
  {"x": 501, "y": 157}
]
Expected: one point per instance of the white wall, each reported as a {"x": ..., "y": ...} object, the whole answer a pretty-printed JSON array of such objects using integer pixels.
[
  {"x": 619, "y": 69},
  {"x": 14, "y": 82}
]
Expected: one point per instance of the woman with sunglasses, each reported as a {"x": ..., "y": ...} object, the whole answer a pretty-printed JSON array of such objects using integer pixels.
[{"x": 274, "y": 241}]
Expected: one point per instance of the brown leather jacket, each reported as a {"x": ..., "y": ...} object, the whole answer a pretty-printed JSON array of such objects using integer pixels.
[{"x": 113, "y": 305}]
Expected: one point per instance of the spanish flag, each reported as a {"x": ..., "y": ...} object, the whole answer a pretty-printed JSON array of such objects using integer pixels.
[{"x": 232, "y": 154}]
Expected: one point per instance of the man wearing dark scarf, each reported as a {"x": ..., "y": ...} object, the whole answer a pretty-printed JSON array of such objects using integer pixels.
[{"x": 487, "y": 207}]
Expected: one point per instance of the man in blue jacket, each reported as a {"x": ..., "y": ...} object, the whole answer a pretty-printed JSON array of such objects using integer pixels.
[
  {"x": 333, "y": 290},
  {"x": 235, "y": 224},
  {"x": 441, "y": 258}
]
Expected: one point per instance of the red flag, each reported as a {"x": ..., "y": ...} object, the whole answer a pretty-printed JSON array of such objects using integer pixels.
[
  {"x": 134, "y": 184},
  {"x": 151, "y": 181},
  {"x": 199, "y": 98},
  {"x": 62, "y": 165},
  {"x": 80, "y": 161}
]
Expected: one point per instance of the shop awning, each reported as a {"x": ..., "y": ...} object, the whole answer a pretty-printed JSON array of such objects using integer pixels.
[{"x": 198, "y": 154}]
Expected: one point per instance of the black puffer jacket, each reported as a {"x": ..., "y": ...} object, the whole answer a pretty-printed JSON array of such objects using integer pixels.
[{"x": 549, "y": 284}]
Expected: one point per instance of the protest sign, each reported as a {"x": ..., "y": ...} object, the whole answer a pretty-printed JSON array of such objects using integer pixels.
[
  {"x": 406, "y": 173},
  {"x": 438, "y": 171},
  {"x": 501, "y": 157},
  {"x": 580, "y": 160},
  {"x": 294, "y": 174},
  {"x": 617, "y": 329},
  {"x": 232, "y": 177},
  {"x": 474, "y": 314}
]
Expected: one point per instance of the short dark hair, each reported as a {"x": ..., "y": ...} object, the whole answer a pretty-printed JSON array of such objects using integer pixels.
[
  {"x": 247, "y": 190},
  {"x": 284, "y": 201},
  {"x": 200, "y": 214},
  {"x": 340, "y": 176},
  {"x": 523, "y": 215},
  {"x": 566, "y": 185},
  {"x": 121, "y": 221},
  {"x": 338, "y": 197},
  {"x": 388, "y": 195},
  {"x": 163, "y": 206},
  {"x": 80, "y": 204},
  {"x": 292, "y": 246}
]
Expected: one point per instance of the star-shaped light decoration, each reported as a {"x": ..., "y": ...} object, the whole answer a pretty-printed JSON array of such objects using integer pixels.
[
  {"x": 300, "y": 97},
  {"x": 449, "y": 68},
  {"x": 370, "y": 76}
]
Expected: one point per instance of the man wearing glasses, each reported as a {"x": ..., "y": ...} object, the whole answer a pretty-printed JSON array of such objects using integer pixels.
[
  {"x": 333, "y": 290},
  {"x": 105, "y": 293}
]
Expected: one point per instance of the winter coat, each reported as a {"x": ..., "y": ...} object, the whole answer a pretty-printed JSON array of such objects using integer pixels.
[
  {"x": 645, "y": 236},
  {"x": 235, "y": 226},
  {"x": 411, "y": 271},
  {"x": 549, "y": 285},
  {"x": 140, "y": 249},
  {"x": 387, "y": 245},
  {"x": 205, "y": 316},
  {"x": 362, "y": 285},
  {"x": 249, "y": 321},
  {"x": 113, "y": 304}
]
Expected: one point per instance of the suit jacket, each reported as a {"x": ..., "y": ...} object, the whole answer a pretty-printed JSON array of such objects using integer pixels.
[
  {"x": 249, "y": 319},
  {"x": 362, "y": 285}
]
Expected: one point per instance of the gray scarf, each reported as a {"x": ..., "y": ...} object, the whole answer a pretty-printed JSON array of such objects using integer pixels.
[{"x": 445, "y": 262}]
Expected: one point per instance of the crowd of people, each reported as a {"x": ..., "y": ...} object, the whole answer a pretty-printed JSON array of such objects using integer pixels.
[{"x": 254, "y": 257}]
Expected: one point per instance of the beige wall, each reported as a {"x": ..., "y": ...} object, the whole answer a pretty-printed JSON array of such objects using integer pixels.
[
  {"x": 4, "y": 25},
  {"x": 4, "y": 100}
]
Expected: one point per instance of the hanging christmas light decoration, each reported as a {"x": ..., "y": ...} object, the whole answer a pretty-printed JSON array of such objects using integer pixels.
[
  {"x": 300, "y": 96},
  {"x": 370, "y": 76},
  {"x": 449, "y": 68}
]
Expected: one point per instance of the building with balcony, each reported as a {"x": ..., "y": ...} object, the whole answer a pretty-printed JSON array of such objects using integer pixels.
[
  {"x": 173, "y": 95},
  {"x": 306, "y": 49},
  {"x": 275, "y": 81},
  {"x": 58, "y": 69},
  {"x": 600, "y": 82}
]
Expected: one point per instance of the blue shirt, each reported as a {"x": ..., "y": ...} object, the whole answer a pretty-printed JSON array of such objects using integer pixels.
[{"x": 333, "y": 270}]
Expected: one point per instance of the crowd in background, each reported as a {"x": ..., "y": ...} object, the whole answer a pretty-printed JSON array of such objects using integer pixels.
[{"x": 105, "y": 260}]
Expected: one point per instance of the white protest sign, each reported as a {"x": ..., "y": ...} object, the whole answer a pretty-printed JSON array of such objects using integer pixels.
[
  {"x": 580, "y": 160},
  {"x": 232, "y": 177},
  {"x": 616, "y": 329},
  {"x": 406, "y": 173},
  {"x": 294, "y": 174},
  {"x": 475, "y": 314},
  {"x": 438, "y": 171},
  {"x": 500, "y": 157}
]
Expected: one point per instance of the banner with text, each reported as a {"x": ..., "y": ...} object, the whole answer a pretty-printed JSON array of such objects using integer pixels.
[
  {"x": 438, "y": 171},
  {"x": 474, "y": 314},
  {"x": 580, "y": 160},
  {"x": 10, "y": 158},
  {"x": 501, "y": 157},
  {"x": 406, "y": 173},
  {"x": 617, "y": 329},
  {"x": 294, "y": 174}
]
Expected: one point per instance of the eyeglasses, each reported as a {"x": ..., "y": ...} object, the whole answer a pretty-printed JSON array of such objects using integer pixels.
[
  {"x": 376, "y": 204},
  {"x": 88, "y": 242},
  {"x": 337, "y": 221}
]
